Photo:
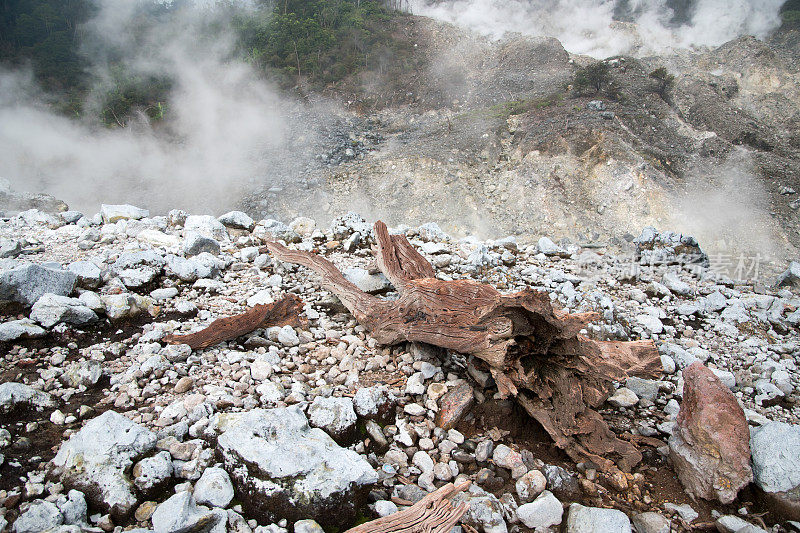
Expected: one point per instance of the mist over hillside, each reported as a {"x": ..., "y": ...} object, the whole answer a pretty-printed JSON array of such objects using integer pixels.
[{"x": 613, "y": 27}]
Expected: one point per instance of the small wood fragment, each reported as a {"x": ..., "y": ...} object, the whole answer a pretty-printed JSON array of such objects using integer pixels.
[
  {"x": 434, "y": 513},
  {"x": 285, "y": 311}
]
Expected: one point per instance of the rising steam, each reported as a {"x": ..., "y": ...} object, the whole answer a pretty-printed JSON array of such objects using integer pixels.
[
  {"x": 228, "y": 128},
  {"x": 591, "y": 26}
]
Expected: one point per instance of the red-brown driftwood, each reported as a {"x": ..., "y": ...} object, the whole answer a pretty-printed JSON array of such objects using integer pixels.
[
  {"x": 432, "y": 514},
  {"x": 285, "y": 311},
  {"x": 534, "y": 352}
]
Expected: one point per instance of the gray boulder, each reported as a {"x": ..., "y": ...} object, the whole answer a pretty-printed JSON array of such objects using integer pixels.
[
  {"x": 214, "y": 488},
  {"x": 96, "y": 459},
  {"x": 371, "y": 283},
  {"x": 238, "y": 220},
  {"x": 655, "y": 247},
  {"x": 113, "y": 213},
  {"x": 203, "y": 266},
  {"x": 207, "y": 226},
  {"x": 281, "y": 466},
  {"x": 596, "y": 520},
  {"x": 137, "y": 269},
  {"x": 27, "y": 283},
  {"x": 674, "y": 283},
  {"x": 180, "y": 514},
  {"x": 196, "y": 243},
  {"x": 791, "y": 277},
  {"x": 9, "y": 248},
  {"x": 40, "y": 516},
  {"x": 52, "y": 309},
  {"x": 485, "y": 510},
  {"x": 18, "y": 394},
  {"x": 89, "y": 274},
  {"x": 24, "y": 328},
  {"x": 335, "y": 416},
  {"x": 542, "y": 513},
  {"x": 775, "y": 449}
]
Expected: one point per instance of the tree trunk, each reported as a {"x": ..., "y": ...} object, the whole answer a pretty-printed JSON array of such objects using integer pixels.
[{"x": 534, "y": 352}]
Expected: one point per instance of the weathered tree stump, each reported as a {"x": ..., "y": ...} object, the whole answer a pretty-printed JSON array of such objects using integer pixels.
[
  {"x": 534, "y": 352},
  {"x": 432, "y": 514}
]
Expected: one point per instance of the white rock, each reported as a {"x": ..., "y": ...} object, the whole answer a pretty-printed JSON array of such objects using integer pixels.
[
  {"x": 97, "y": 457},
  {"x": 510, "y": 459},
  {"x": 260, "y": 370},
  {"x": 180, "y": 514},
  {"x": 164, "y": 294},
  {"x": 303, "y": 226},
  {"x": 152, "y": 472},
  {"x": 113, "y": 213},
  {"x": 623, "y": 397},
  {"x": 14, "y": 394},
  {"x": 673, "y": 282},
  {"x": 650, "y": 323},
  {"x": 237, "y": 219},
  {"x": 414, "y": 409},
  {"x": 485, "y": 510},
  {"x": 335, "y": 416},
  {"x": 288, "y": 337},
  {"x": 214, "y": 488},
  {"x": 385, "y": 508},
  {"x": 40, "y": 516},
  {"x": 24, "y": 328},
  {"x": 307, "y": 526},
  {"x": 542, "y": 513},
  {"x": 596, "y": 520},
  {"x": 530, "y": 485},
  {"x": 371, "y": 283},
  {"x": 373, "y": 402},
  {"x": 52, "y": 309},
  {"x": 89, "y": 274},
  {"x": 158, "y": 238},
  {"x": 423, "y": 461},
  {"x": 281, "y": 459},
  {"x": 207, "y": 226},
  {"x": 261, "y": 297}
]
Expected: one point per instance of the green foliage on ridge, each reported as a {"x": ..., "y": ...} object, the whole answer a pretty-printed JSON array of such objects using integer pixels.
[{"x": 320, "y": 41}]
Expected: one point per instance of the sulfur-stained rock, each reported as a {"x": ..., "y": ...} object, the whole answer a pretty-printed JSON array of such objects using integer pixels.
[{"x": 710, "y": 447}]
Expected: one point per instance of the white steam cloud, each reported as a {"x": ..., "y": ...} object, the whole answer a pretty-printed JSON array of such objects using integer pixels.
[
  {"x": 727, "y": 209},
  {"x": 589, "y": 26},
  {"x": 228, "y": 130}
]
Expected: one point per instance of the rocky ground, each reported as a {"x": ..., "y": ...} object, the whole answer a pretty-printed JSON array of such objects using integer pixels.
[{"x": 106, "y": 427}]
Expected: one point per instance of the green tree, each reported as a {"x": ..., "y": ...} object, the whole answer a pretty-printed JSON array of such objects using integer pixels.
[
  {"x": 664, "y": 82},
  {"x": 592, "y": 79}
]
